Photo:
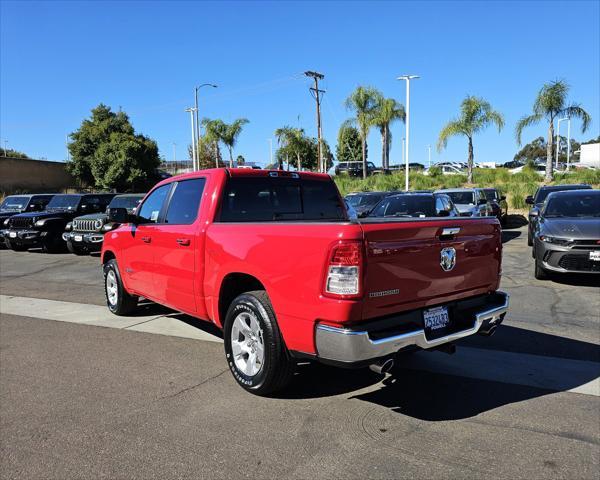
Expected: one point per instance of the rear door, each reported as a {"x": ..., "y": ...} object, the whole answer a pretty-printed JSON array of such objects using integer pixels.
[
  {"x": 138, "y": 250},
  {"x": 404, "y": 262},
  {"x": 178, "y": 248}
]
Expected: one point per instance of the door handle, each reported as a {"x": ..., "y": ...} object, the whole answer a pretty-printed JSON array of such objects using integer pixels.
[
  {"x": 184, "y": 242},
  {"x": 146, "y": 239}
]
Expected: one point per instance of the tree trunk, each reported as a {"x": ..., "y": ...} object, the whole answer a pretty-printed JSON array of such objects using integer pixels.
[
  {"x": 549, "y": 145},
  {"x": 230, "y": 157},
  {"x": 363, "y": 142},
  {"x": 470, "y": 162},
  {"x": 216, "y": 154},
  {"x": 299, "y": 161}
]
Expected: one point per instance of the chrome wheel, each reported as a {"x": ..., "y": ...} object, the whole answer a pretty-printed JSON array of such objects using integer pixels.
[
  {"x": 247, "y": 344},
  {"x": 112, "y": 288}
]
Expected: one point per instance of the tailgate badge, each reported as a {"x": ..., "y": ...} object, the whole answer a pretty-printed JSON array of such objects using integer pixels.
[{"x": 447, "y": 258}]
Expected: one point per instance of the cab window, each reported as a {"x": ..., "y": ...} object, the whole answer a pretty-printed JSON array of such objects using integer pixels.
[
  {"x": 150, "y": 210},
  {"x": 185, "y": 201}
]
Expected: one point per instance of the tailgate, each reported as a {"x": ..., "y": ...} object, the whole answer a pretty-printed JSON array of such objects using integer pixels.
[{"x": 404, "y": 262}]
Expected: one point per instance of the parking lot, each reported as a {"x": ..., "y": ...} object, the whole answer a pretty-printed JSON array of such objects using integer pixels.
[{"x": 151, "y": 396}]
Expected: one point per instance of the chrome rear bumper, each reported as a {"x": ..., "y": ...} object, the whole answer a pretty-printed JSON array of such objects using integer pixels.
[{"x": 347, "y": 345}]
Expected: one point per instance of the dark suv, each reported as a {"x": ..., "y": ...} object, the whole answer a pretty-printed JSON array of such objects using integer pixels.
[
  {"x": 355, "y": 169},
  {"x": 44, "y": 229},
  {"x": 537, "y": 201},
  {"x": 86, "y": 233},
  {"x": 15, "y": 204}
]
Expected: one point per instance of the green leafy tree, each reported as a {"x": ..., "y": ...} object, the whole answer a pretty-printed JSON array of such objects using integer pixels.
[
  {"x": 388, "y": 111},
  {"x": 550, "y": 104},
  {"x": 229, "y": 135},
  {"x": 534, "y": 150},
  {"x": 476, "y": 114},
  {"x": 10, "y": 153},
  {"x": 214, "y": 131},
  {"x": 292, "y": 143},
  {"x": 107, "y": 153},
  {"x": 363, "y": 102},
  {"x": 348, "y": 147}
]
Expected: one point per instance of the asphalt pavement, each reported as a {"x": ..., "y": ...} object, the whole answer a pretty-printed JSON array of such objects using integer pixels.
[{"x": 85, "y": 396}]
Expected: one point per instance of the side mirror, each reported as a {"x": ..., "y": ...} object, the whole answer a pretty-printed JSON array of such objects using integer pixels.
[
  {"x": 119, "y": 215},
  {"x": 529, "y": 200},
  {"x": 534, "y": 212},
  {"x": 443, "y": 213}
]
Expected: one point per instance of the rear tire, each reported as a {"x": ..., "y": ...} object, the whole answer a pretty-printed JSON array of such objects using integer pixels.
[
  {"x": 539, "y": 271},
  {"x": 118, "y": 300},
  {"x": 254, "y": 348}
]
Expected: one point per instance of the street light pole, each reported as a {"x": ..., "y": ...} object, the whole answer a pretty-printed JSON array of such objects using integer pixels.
[
  {"x": 407, "y": 78},
  {"x": 568, "y": 143},
  {"x": 197, "y": 130},
  {"x": 192, "y": 111},
  {"x": 429, "y": 152},
  {"x": 270, "y": 140},
  {"x": 403, "y": 149},
  {"x": 558, "y": 139},
  {"x": 174, "y": 153}
]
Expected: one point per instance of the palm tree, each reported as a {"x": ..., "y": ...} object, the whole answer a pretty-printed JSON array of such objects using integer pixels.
[
  {"x": 229, "y": 135},
  {"x": 551, "y": 103},
  {"x": 388, "y": 111},
  {"x": 363, "y": 101},
  {"x": 475, "y": 115},
  {"x": 291, "y": 138},
  {"x": 214, "y": 133}
]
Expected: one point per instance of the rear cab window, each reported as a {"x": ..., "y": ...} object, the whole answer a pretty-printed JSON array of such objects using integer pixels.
[{"x": 267, "y": 199}]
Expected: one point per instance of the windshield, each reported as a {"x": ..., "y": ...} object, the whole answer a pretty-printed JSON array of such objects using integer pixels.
[
  {"x": 461, "y": 198},
  {"x": 573, "y": 205},
  {"x": 14, "y": 203},
  {"x": 125, "y": 202},
  {"x": 544, "y": 192},
  {"x": 419, "y": 206},
  {"x": 491, "y": 194},
  {"x": 363, "y": 200},
  {"x": 64, "y": 202}
]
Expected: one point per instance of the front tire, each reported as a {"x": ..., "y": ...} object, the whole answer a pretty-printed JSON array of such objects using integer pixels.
[
  {"x": 539, "y": 272},
  {"x": 254, "y": 348},
  {"x": 529, "y": 238},
  {"x": 118, "y": 300}
]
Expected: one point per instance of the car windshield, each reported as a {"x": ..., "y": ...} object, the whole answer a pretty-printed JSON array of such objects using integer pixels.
[
  {"x": 544, "y": 192},
  {"x": 461, "y": 198},
  {"x": 64, "y": 202},
  {"x": 14, "y": 203},
  {"x": 128, "y": 202},
  {"x": 491, "y": 194},
  {"x": 418, "y": 206},
  {"x": 574, "y": 205},
  {"x": 363, "y": 200}
]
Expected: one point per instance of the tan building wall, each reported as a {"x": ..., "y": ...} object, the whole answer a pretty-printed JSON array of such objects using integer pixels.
[{"x": 23, "y": 175}]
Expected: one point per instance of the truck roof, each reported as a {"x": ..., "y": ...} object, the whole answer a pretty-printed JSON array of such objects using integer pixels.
[{"x": 248, "y": 172}]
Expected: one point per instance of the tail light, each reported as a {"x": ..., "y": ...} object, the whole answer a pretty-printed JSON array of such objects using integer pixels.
[{"x": 344, "y": 270}]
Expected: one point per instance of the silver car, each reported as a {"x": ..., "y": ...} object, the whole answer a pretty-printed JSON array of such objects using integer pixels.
[
  {"x": 567, "y": 233},
  {"x": 470, "y": 202}
]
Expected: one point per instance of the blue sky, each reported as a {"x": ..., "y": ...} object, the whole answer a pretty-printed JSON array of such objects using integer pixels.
[{"x": 60, "y": 59}]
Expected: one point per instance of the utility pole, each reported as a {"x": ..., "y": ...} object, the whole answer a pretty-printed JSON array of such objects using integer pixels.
[
  {"x": 197, "y": 129},
  {"x": 568, "y": 143},
  {"x": 408, "y": 78},
  {"x": 192, "y": 111},
  {"x": 6, "y": 148},
  {"x": 270, "y": 140},
  {"x": 403, "y": 149},
  {"x": 174, "y": 152},
  {"x": 316, "y": 76}
]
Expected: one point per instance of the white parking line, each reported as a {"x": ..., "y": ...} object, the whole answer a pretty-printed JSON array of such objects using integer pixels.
[{"x": 550, "y": 373}]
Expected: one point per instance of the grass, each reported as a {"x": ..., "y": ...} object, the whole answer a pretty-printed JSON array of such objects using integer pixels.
[{"x": 515, "y": 187}]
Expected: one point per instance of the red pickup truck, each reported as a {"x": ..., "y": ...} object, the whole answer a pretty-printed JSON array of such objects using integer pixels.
[{"x": 272, "y": 259}]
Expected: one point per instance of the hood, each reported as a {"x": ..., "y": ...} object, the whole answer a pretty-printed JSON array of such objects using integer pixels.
[
  {"x": 576, "y": 228},
  {"x": 8, "y": 214},
  {"x": 93, "y": 216},
  {"x": 464, "y": 207}
]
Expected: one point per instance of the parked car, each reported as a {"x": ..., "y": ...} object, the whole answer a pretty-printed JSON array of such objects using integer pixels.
[
  {"x": 15, "y": 204},
  {"x": 567, "y": 233},
  {"x": 470, "y": 202},
  {"x": 498, "y": 203},
  {"x": 355, "y": 169},
  {"x": 415, "y": 205},
  {"x": 537, "y": 200},
  {"x": 271, "y": 258},
  {"x": 363, "y": 202},
  {"x": 537, "y": 168},
  {"x": 513, "y": 164},
  {"x": 447, "y": 169},
  {"x": 86, "y": 233},
  {"x": 44, "y": 229}
]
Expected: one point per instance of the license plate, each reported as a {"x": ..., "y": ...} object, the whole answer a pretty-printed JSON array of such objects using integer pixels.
[
  {"x": 78, "y": 238},
  {"x": 436, "y": 318},
  {"x": 12, "y": 234},
  {"x": 595, "y": 256}
]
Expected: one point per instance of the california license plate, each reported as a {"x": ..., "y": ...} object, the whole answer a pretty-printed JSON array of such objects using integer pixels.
[
  {"x": 12, "y": 234},
  {"x": 595, "y": 256},
  {"x": 78, "y": 238},
  {"x": 436, "y": 318}
]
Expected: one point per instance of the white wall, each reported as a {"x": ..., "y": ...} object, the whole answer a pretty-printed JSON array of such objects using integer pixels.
[{"x": 590, "y": 155}]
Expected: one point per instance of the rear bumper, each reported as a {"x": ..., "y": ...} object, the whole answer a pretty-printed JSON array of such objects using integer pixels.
[{"x": 364, "y": 343}]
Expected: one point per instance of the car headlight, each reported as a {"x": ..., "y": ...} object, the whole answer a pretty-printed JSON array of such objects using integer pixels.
[
  {"x": 98, "y": 224},
  {"x": 69, "y": 226},
  {"x": 107, "y": 228},
  {"x": 40, "y": 223},
  {"x": 565, "y": 242}
]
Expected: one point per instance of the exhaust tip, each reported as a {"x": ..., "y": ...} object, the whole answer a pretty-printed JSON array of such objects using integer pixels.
[{"x": 383, "y": 367}]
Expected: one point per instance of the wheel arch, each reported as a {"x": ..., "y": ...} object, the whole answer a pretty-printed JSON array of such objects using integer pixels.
[
  {"x": 108, "y": 255},
  {"x": 232, "y": 285}
]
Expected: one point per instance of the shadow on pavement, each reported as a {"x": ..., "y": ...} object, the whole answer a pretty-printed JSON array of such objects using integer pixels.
[
  {"x": 575, "y": 279},
  {"x": 515, "y": 221},
  {"x": 509, "y": 235}
]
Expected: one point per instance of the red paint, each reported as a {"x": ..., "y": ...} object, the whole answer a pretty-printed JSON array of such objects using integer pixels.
[{"x": 291, "y": 260}]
